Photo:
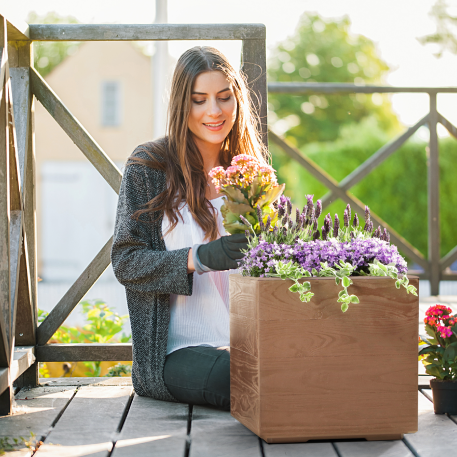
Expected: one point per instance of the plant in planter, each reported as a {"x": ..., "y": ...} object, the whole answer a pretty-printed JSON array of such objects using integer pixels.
[
  {"x": 301, "y": 372},
  {"x": 438, "y": 353}
]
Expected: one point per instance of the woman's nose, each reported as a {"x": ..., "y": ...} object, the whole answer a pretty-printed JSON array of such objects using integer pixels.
[{"x": 214, "y": 109}]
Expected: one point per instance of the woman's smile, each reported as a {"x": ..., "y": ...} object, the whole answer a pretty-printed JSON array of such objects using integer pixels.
[{"x": 215, "y": 127}]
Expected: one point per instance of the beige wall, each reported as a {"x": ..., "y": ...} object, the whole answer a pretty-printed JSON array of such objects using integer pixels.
[{"x": 77, "y": 82}]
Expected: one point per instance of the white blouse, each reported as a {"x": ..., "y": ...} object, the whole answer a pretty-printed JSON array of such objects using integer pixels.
[{"x": 201, "y": 319}]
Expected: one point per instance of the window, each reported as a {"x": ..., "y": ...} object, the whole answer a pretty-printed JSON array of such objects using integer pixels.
[{"x": 111, "y": 103}]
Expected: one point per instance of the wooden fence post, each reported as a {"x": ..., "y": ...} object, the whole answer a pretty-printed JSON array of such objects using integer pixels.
[
  {"x": 254, "y": 66},
  {"x": 433, "y": 200}
]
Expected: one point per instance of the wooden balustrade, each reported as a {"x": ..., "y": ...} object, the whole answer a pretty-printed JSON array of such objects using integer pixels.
[{"x": 22, "y": 342}]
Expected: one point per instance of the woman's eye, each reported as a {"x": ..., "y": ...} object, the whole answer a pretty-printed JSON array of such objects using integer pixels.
[
  {"x": 199, "y": 102},
  {"x": 226, "y": 99}
]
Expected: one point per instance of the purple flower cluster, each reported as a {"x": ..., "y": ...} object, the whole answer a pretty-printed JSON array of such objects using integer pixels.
[{"x": 359, "y": 252}]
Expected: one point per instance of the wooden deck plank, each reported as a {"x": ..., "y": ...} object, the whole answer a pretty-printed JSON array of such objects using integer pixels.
[
  {"x": 89, "y": 424},
  {"x": 35, "y": 411},
  {"x": 153, "y": 427},
  {"x": 437, "y": 435},
  {"x": 75, "y": 381},
  {"x": 299, "y": 450},
  {"x": 373, "y": 449},
  {"x": 228, "y": 437}
]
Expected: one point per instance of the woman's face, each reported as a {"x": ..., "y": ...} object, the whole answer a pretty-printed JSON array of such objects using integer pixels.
[{"x": 213, "y": 110}]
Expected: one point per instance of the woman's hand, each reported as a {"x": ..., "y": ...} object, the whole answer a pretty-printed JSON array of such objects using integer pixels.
[{"x": 222, "y": 254}]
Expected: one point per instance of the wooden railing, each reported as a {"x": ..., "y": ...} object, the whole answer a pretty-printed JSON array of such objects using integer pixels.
[
  {"x": 22, "y": 343},
  {"x": 434, "y": 267}
]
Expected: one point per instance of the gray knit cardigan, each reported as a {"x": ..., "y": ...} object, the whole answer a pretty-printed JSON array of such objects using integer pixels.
[{"x": 149, "y": 273}]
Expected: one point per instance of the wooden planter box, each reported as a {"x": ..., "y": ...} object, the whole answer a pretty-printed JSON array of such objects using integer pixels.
[{"x": 304, "y": 371}]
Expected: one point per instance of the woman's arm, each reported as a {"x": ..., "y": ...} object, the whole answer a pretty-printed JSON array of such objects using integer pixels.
[{"x": 136, "y": 255}]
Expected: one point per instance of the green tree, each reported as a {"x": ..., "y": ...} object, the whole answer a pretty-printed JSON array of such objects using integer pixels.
[
  {"x": 48, "y": 55},
  {"x": 326, "y": 51},
  {"x": 446, "y": 28}
]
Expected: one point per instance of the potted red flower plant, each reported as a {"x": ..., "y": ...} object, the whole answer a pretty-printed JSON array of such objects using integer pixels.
[{"x": 438, "y": 353}]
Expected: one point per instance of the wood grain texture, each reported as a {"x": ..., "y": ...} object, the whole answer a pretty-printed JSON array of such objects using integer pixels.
[
  {"x": 244, "y": 335},
  {"x": 356, "y": 374},
  {"x": 244, "y": 389},
  {"x": 89, "y": 423},
  {"x": 141, "y": 32},
  {"x": 320, "y": 373},
  {"x": 318, "y": 338},
  {"x": 243, "y": 293},
  {"x": 299, "y": 450},
  {"x": 84, "y": 352},
  {"x": 153, "y": 427},
  {"x": 74, "y": 295},
  {"x": 379, "y": 299},
  {"x": 73, "y": 128},
  {"x": 437, "y": 434},
  {"x": 352, "y": 415}
]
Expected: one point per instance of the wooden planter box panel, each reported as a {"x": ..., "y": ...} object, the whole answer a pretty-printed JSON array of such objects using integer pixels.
[{"x": 302, "y": 371}]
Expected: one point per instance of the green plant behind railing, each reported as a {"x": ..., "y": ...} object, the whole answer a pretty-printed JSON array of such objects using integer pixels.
[{"x": 103, "y": 325}]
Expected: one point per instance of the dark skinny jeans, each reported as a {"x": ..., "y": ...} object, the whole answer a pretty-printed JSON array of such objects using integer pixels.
[{"x": 199, "y": 375}]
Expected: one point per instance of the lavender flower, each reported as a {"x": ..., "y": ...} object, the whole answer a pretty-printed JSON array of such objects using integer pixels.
[
  {"x": 309, "y": 205},
  {"x": 367, "y": 213},
  {"x": 316, "y": 234},
  {"x": 386, "y": 236},
  {"x": 268, "y": 224},
  {"x": 346, "y": 218},
  {"x": 348, "y": 209},
  {"x": 356, "y": 220},
  {"x": 246, "y": 233},
  {"x": 297, "y": 217},
  {"x": 315, "y": 225},
  {"x": 245, "y": 221},
  {"x": 336, "y": 226},
  {"x": 324, "y": 233},
  {"x": 318, "y": 209},
  {"x": 289, "y": 207}
]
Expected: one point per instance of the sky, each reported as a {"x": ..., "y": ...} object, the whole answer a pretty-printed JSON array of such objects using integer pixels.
[{"x": 394, "y": 25}]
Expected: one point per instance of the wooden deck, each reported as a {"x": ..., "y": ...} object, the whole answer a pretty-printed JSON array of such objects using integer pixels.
[{"x": 103, "y": 417}]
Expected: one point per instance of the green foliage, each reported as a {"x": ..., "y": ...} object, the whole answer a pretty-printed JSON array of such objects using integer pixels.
[
  {"x": 446, "y": 31},
  {"x": 11, "y": 444},
  {"x": 103, "y": 325},
  {"x": 120, "y": 369},
  {"x": 48, "y": 55},
  {"x": 326, "y": 51},
  {"x": 291, "y": 270},
  {"x": 396, "y": 190},
  {"x": 378, "y": 269}
]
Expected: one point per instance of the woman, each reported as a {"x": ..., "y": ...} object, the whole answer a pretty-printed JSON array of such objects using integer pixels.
[{"x": 169, "y": 226}]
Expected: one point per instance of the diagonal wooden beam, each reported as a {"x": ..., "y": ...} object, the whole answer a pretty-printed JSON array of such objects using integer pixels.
[
  {"x": 452, "y": 129},
  {"x": 73, "y": 128},
  {"x": 18, "y": 30},
  {"x": 332, "y": 184},
  {"x": 448, "y": 259},
  {"x": 73, "y": 296},
  {"x": 375, "y": 160}
]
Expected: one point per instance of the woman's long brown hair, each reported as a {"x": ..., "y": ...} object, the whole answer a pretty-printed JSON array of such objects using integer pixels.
[{"x": 178, "y": 154}]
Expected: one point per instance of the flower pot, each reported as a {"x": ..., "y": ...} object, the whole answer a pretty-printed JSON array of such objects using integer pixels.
[
  {"x": 302, "y": 371},
  {"x": 444, "y": 396}
]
